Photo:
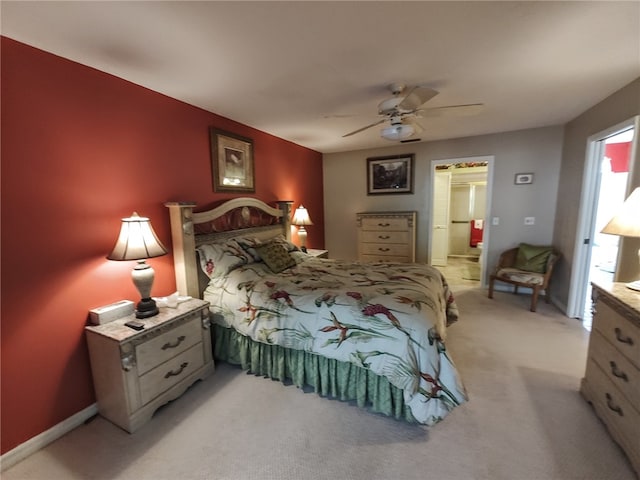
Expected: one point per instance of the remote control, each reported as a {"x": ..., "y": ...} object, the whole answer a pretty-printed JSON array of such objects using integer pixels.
[{"x": 135, "y": 324}]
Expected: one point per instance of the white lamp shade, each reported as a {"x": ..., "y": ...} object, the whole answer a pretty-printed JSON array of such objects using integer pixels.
[
  {"x": 397, "y": 132},
  {"x": 626, "y": 222},
  {"x": 301, "y": 217},
  {"x": 137, "y": 240}
]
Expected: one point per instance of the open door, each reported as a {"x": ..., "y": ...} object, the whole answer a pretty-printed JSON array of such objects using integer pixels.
[
  {"x": 595, "y": 254},
  {"x": 440, "y": 218}
]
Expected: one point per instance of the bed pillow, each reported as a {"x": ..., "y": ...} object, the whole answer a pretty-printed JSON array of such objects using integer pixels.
[
  {"x": 276, "y": 256},
  {"x": 533, "y": 258},
  {"x": 218, "y": 259}
]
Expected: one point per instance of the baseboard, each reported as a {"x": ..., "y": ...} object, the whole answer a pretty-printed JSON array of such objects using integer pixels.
[{"x": 34, "y": 444}]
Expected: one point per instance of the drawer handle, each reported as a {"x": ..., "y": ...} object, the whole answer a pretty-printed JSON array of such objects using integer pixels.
[
  {"x": 168, "y": 345},
  {"x": 384, "y": 224},
  {"x": 617, "y": 372},
  {"x": 383, "y": 249},
  {"x": 622, "y": 339},
  {"x": 612, "y": 407},
  {"x": 384, "y": 237},
  {"x": 183, "y": 365}
]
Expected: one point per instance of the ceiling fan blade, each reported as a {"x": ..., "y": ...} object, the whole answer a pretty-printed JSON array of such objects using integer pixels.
[
  {"x": 451, "y": 111},
  {"x": 417, "y": 126},
  {"x": 364, "y": 128},
  {"x": 416, "y": 97}
]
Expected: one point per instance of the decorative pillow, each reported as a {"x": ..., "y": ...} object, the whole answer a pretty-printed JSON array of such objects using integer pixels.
[
  {"x": 533, "y": 258},
  {"x": 218, "y": 259},
  {"x": 250, "y": 244},
  {"x": 276, "y": 256}
]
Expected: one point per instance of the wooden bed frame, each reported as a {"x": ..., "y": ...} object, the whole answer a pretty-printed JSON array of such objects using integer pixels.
[{"x": 242, "y": 216}]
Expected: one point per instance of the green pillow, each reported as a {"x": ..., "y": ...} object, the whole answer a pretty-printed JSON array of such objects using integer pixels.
[
  {"x": 533, "y": 258},
  {"x": 276, "y": 256}
]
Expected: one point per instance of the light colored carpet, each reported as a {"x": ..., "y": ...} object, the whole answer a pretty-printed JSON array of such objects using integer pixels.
[{"x": 525, "y": 420}]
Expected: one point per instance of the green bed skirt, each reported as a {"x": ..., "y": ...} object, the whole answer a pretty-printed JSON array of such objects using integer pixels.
[{"x": 328, "y": 377}]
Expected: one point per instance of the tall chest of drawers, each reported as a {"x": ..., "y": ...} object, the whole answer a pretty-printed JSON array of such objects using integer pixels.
[
  {"x": 135, "y": 372},
  {"x": 612, "y": 379},
  {"x": 386, "y": 236}
]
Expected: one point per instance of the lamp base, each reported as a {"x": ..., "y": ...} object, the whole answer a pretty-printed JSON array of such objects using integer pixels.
[{"x": 146, "y": 308}]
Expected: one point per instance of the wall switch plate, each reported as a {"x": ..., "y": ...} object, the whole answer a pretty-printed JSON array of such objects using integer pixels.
[
  {"x": 495, "y": 221},
  {"x": 529, "y": 220}
]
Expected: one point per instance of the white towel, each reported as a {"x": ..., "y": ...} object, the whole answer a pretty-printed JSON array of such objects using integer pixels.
[{"x": 477, "y": 224}]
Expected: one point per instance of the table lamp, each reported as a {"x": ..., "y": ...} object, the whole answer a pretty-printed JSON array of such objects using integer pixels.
[
  {"x": 138, "y": 241},
  {"x": 626, "y": 223},
  {"x": 300, "y": 219}
]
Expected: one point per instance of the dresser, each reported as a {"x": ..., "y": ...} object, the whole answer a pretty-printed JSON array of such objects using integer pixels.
[
  {"x": 612, "y": 379},
  {"x": 386, "y": 236},
  {"x": 137, "y": 371}
]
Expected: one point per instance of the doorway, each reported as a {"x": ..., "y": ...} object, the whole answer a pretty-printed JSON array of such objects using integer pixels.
[
  {"x": 460, "y": 201},
  {"x": 605, "y": 186}
]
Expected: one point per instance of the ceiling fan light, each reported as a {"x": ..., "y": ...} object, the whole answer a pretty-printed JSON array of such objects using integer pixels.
[{"x": 397, "y": 132}]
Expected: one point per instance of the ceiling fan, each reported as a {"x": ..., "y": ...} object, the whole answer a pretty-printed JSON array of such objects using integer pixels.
[{"x": 401, "y": 111}]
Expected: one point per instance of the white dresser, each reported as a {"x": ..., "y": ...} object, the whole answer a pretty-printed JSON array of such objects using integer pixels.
[
  {"x": 386, "y": 236},
  {"x": 612, "y": 379},
  {"x": 135, "y": 372}
]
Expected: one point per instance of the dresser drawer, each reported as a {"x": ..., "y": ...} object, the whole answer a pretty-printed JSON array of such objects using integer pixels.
[
  {"x": 622, "y": 334},
  {"x": 382, "y": 224},
  {"x": 384, "y": 258},
  {"x": 161, "y": 348},
  {"x": 165, "y": 376},
  {"x": 385, "y": 237},
  {"x": 618, "y": 368},
  {"x": 397, "y": 250},
  {"x": 613, "y": 408}
]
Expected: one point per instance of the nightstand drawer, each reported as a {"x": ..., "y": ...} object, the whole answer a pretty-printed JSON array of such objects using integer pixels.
[
  {"x": 169, "y": 344},
  {"x": 165, "y": 376},
  {"x": 618, "y": 368},
  {"x": 622, "y": 334},
  {"x": 385, "y": 237},
  {"x": 382, "y": 224}
]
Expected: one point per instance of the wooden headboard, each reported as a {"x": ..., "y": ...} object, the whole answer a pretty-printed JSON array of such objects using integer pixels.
[{"x": 237, "y": 217}]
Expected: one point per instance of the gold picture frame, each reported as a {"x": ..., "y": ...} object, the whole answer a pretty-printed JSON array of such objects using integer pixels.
[{"x": 232, "y": 164}]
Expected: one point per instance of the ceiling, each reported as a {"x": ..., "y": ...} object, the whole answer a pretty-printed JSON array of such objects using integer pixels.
[{"x": 309, "y": 72}]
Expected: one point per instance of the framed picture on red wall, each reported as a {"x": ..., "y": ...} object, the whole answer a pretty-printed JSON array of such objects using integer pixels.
[{"x": 231, "y": 162}]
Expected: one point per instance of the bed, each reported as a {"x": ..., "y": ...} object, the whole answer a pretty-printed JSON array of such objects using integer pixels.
[{"x": 373, "y": 334}]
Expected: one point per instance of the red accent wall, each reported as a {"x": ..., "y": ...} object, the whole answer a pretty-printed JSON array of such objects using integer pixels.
[{"x": 80, "y": 150}]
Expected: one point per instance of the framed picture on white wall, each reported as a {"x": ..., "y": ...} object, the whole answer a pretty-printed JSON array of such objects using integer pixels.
[{"x": 389, "y": 175}]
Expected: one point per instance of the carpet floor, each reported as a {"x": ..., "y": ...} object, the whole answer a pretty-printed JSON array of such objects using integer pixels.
[{"x": 525, "y": 420}]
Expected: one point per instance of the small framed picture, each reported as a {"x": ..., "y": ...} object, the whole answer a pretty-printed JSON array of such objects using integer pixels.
[
  {"x": 387, "y": 175},
  {"x": 231, "y": 162},
  {"x": 523, "y": 178}
]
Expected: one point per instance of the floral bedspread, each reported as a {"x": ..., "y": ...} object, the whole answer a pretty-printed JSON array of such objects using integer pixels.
[{"x": 389, "y": 318}]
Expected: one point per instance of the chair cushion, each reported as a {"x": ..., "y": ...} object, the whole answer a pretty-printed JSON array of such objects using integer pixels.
[
  {"x": 516, "y": 275},
  {"x": 533, "y": 258}
]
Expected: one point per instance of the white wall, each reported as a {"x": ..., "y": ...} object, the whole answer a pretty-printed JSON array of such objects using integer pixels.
[
  {"x": 618, "y": 107},
  {"x": 534, "y": 150}
]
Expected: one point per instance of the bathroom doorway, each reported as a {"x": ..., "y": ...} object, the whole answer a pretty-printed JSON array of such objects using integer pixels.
[{"x": 458, "y": 232}]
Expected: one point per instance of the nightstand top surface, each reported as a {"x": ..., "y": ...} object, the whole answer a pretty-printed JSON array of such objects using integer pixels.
[{"x": 119, "y": 332}]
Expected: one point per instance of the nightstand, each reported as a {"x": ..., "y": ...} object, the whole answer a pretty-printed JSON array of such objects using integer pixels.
[
  {"x": 318, "y": 253},
  {"x": 135, "y": 372}
]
